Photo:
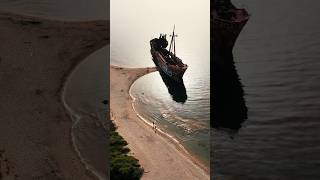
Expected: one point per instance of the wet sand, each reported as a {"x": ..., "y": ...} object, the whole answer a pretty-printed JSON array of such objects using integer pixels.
[
  {"x": 160, "y": 156},
  {"x": 36, "y": 56}
]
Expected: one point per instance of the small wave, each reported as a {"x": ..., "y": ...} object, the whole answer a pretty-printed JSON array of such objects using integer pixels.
[
  {"x": 166, "y": 134},
  {"x": 76, "y": 118},
  {"x": 88, "y": 134}
]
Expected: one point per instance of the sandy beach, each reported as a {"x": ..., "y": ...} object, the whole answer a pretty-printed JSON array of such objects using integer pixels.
[
  {"x": 36, "y": 56},
  {"x": 161, "y": 157}
]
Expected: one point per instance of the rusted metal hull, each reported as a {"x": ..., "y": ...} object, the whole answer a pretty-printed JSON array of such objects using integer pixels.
[
  {"x": 225, "y": 33},
  {"x": 174, "y": 72}
]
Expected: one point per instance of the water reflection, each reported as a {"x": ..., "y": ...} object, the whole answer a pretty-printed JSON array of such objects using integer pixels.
[
  {"x": 153, "y": 99},
  {"x": 177, "y": 90},
  {"x": 229, "y": 108}
]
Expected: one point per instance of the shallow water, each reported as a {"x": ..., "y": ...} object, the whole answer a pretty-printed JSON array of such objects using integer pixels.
[
  {"x": 181, "y": 110},
  {"x": 277, "y": 58},
  {"x": 85, "y": 91}
]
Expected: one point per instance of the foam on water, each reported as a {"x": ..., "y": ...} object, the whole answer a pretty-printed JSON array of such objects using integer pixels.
[{"x": 83, "y": 98}]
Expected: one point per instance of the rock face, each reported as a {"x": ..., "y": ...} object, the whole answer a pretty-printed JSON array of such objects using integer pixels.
[{"x": 229, "y": 109}]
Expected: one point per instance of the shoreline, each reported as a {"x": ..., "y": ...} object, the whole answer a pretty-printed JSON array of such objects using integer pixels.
[
  {"x": 75, "y": 118},
  {"x": 200, "y": 168},
  {"x": 170, "y": 137},
  {"x": 36, "y": 57}
]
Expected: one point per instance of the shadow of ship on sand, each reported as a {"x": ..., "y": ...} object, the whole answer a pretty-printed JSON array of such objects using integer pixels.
[{"x": 177, "y": 90}]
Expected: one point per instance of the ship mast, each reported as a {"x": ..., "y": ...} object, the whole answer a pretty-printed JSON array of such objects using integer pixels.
[{"x": 173, "y": 42}]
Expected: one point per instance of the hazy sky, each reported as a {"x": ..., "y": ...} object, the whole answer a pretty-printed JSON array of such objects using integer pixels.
[{"x": 192, "y": 15}]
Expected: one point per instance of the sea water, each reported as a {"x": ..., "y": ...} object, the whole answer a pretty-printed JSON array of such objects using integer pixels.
[
  {"x": 277, "y": 57},
  {"x": 181, "y": 110}
]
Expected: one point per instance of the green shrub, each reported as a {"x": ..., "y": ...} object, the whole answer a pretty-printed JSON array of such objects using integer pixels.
[{"x": 123, "y": 166}]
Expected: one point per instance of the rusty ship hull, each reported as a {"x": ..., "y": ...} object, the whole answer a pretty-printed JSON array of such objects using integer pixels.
[
  {"x": 176, "y": 73},
  {"x": 167, "y": 61},
  {"x": 224, "y": 32}
]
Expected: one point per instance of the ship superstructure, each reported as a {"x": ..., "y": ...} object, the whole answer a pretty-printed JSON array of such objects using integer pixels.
[{"x": 167, "y": 60}]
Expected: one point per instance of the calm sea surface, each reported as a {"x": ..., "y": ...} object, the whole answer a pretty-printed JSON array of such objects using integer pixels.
[
  {"x": 132, "y": 27},
  {"x": 278, "y": 59}
]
